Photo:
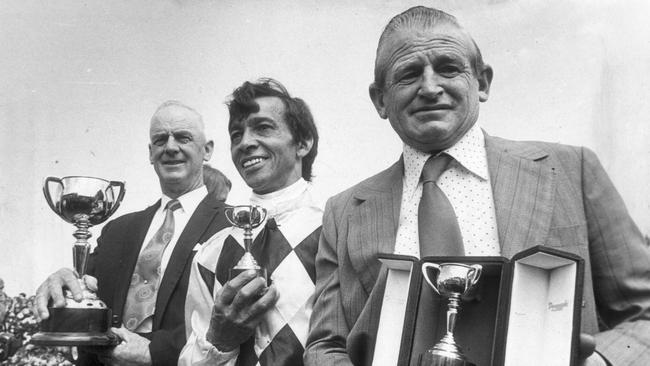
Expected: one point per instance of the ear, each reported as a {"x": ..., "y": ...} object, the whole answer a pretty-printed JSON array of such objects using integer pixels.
[
  {"x": 208, "y": 148},
  {"x": 377, "y": 97},
  {"x": 304, "y": 147},
  {"x": 150, "y": 155},
  {"x": 484, "y": 82}
]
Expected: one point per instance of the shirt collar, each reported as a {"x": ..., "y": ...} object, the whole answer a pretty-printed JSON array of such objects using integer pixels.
[
  {"x": 283, "y": 200},
  {"x": 468, "y": 152},
  {"x": 189, "y": 201}
]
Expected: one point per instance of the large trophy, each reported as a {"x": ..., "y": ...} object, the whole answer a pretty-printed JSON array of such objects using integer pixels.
[
  {"x": 453, "y": 280},
  {"x": 83, "y": 202},
  {"x": 246, "y": 217}
]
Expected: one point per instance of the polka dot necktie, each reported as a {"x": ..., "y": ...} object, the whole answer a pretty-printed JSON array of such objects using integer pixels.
[
  {"x": 439, "y": 233},
  {"x": 141, "y": 298}
]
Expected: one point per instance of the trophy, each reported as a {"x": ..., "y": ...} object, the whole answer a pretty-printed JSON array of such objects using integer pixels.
[
  {"x": 453, "y": 281},
  {"x": 83, "y": 202},
  {"x": 246, "y": 217}
]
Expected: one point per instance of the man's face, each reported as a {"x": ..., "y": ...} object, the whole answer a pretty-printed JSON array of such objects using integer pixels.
[
  {"x": 263, "y": 149},
  {"x": 431, "y": 95},
  {"x": 177, "y": 150}
]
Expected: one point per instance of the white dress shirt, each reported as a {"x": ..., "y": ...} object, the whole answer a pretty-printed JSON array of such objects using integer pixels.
[{"x": 466, "y": 183}]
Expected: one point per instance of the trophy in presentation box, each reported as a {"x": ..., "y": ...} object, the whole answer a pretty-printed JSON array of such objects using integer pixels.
[
  {"x": 453, "y": 280},
  {"x": 246, "y": 217},
  {"x": 519, "y": 309},
  {"x": 83, "y": 202}
]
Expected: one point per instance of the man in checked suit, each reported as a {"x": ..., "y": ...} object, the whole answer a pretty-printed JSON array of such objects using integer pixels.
[
  {"x": 506, "y": 195},
  {"x": 178, "y": 147}
]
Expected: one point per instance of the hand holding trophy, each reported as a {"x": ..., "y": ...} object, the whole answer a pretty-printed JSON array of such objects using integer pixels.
[
  {"x": 452, "y": 281},
  {"x": 83, "y": 202},
  {"x": 246, "y": 217}
]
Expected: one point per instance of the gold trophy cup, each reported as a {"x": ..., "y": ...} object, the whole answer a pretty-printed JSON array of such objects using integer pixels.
[
  {"x": 83, "y": 202},
  {"x": 453, "y": 280},
  {"x": 246, "y": 217}
]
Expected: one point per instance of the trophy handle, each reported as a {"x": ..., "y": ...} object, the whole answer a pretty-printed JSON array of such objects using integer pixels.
[
  {"x": 425, "y": 267},
  {"x": 48, "y": 196},
  {"x": 473, "y": 275},
  {"x": 228, "y": 213},
  {"x": 119, "y": 198},
  {"x": 262, "y": 212}
]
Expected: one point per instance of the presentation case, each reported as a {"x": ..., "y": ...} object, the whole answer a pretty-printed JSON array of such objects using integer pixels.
[{"x": 523, "y": 311}]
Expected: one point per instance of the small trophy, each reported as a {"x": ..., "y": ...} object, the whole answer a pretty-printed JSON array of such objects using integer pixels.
[
  {"x": 246, "y": 217},
  {"x": 83, "y": 202},
  {"x": 453, "y": 281}
]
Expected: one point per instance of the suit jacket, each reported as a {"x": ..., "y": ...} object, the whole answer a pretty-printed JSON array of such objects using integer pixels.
[
  {"x": 544, "y": 194},
  {"x": 114, "y": 259}
]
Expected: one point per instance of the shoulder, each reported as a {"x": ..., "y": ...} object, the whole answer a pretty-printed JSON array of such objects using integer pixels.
[
  {"x": 529, "y": 148},
  {"x": 383, "y": 181},
  {"x": 209, "y": 252}
]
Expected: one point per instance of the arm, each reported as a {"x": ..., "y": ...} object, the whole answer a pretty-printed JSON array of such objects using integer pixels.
[
  {"x": 326, "y": 344},
  {"x": 620, "y": 260},
  {"x": 198, "y": 311}
]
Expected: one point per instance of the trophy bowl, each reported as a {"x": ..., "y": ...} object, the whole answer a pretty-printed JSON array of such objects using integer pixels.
[
  {"x": 83, "y": 202},
  {"x": 246, "y": 217},
  {"x": 453, "y": 280}
]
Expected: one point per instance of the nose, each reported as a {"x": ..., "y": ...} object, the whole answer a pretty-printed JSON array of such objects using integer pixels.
[
  {"x": 430, "y": 85},
  {"x": 171, "y": 146},
  {"x": 248, "y": 141}
]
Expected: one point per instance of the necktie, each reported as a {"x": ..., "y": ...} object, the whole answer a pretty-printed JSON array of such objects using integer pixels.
[
  {"x": 141, "y": 298},
  {"x": 439, "y": 233},
  {"x": 439, "y": 236}
]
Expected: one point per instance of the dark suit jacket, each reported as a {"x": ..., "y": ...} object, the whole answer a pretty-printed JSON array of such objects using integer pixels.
[
  {"x": 114, "y": 259},
  {"x": 544, "y": 194}
]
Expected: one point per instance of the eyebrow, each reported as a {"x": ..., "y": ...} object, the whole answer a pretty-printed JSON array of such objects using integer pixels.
[{"x": 251, "y": 121}]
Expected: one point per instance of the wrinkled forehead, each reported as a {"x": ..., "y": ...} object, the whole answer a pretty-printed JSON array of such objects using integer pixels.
[
  {"x": 406, "y": 40},
  {"x": 175, "y": 118}
]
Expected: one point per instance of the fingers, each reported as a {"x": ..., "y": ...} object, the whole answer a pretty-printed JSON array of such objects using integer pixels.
[
  {"x": 122, "y": 332},
  {"x": 587, "y": 346},
  {"x": 90, "y": 282},
  {"x": 249, "y": 293},
  {"x": 53, "y": 287},
  {"x": 264, "y": 303},
  {"x": 40, "y": 304},
  {"x": 228, "y": 292}
]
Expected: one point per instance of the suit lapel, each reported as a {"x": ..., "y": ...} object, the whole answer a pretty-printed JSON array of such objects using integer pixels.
[
  {"x": 373, "y": 222},
  {"x": 523, "y": 185},
  {"x": 130, "y": 252},
  {"x": 197, "y": 225}
]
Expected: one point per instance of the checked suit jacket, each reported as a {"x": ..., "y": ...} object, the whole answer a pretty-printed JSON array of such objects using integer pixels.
[
  {"x": 114, "y": 259},
  {"x": 544, "y": 194}
]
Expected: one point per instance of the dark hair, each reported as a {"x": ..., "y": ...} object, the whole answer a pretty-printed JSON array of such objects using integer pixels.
[
  {"x": 296, "y": 114},
  {"x": 216, "y": 182},
  {"x": 419, "y": 17}
]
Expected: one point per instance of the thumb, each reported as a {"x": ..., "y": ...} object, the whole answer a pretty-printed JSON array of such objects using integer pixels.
[
  {"x": 91, "y": 283},
  {"x": 122, "y": 332},
  {"x": 587, "y": 346}
]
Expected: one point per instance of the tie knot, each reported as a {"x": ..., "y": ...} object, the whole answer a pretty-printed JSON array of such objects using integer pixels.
[
  {"x": 434, "y": 167},
  {"x": 173, "y": 205}
]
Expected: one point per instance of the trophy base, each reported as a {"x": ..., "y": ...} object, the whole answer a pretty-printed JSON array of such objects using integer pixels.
[
  {"x": 435, "y": 357},
  {"x": 74, "y": 326},
  {"x": 236, "y": 271},
  {"x": 57, "y": 339}
]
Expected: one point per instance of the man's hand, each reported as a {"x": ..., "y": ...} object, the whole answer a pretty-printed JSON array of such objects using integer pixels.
[
  {"x": 53, "y": 288},
  {"x": 133, "y": 351},
  {"x": 238, "y": 308},
  {"x": 586, "y": 352}
]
